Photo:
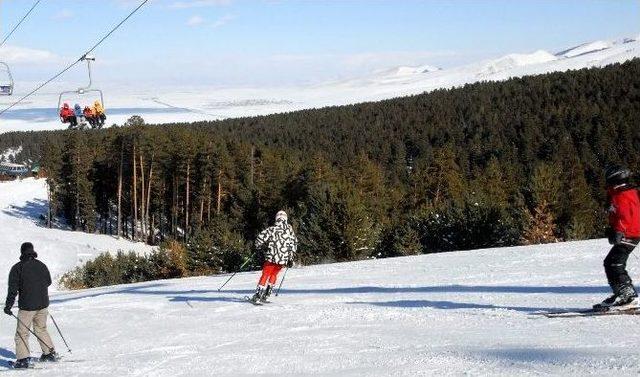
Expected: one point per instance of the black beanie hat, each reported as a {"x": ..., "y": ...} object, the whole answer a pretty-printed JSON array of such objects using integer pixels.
[{"x": 26, "y": 250}]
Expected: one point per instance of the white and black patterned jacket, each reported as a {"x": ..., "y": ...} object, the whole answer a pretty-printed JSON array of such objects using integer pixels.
[{"x": 281, "y": 242}]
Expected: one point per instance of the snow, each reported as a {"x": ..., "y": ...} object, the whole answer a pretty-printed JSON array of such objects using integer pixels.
[
  {"x": 9, "y": 153},
  {"x": 586, "y": 49},
  {"x": 406, "y": 70},
  {"x": 516, "y": 60},
  {"x": 463, "y": 313},
  {"x": 21, "y": 204},
  {"x": 166, "y": 104}
]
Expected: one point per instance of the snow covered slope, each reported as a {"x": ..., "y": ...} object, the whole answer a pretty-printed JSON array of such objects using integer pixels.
[
  {"x": 21, "y": 204},
  {"x": 465, "y": 313},
  {"x": 169, "y": 104}
]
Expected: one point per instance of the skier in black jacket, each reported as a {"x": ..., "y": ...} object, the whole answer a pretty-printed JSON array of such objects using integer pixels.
[{"x": 30, "y": 279}]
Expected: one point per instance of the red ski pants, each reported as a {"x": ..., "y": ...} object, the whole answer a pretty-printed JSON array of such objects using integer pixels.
[{"x": 269, "y": 273}]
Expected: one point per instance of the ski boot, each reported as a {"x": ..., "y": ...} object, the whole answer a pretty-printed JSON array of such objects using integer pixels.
[
  {"x": 267, "y": 292},
  {"x": 22, "y": 364},
  {"x": 257, "y": 297},
  {"x": 625, "y": 298},
  {"x": 50, "y": 357},
  {"x": 606, "y": 303}
]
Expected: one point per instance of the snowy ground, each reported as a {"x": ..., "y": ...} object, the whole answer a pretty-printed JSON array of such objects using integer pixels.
[
  {"x": 467, "y": 313},
  {"x": 21, "y": 204},
  {"x": 187, "y": 104},
  {"x": 464, "y": 313}
]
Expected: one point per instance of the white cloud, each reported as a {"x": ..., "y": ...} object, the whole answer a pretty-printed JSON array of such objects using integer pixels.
[
  {"x": 367, "y": 59},
  {"x": 63, "y": 14},
  {"x": 15, "y": 54},
  {"x": 393, "y": 58},
  {"x": 223, "y": 20},
  {"x": 195, "y": 21},
  {"x": 198, "y": 4}
]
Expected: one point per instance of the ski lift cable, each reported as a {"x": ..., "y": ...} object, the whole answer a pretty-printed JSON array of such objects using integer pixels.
[
  {"x": 19, "y": 23},
  {"x": 81, "y": 58}
]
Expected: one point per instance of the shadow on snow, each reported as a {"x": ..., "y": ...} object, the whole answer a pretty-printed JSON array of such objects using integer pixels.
[
  {"x": 450, "y": 305},
  {"x": 5, "y": 357},
  {"x": 212, "y": 295},
  {"x": 34, "y": 210},
  {"x": 535, "y": 355}
]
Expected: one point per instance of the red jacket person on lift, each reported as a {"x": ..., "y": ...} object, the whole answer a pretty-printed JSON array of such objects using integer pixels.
[{"x": 67, "y": 115}]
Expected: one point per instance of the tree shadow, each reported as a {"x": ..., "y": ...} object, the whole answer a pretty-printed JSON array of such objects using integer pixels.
[
  {"x": 204, "y": 299},
  {"x": 104, "y": 291},
  {"x": 7, "y": 354},
  {"x": 451, "y": 289},
  {"x": 34, "y": 210},
  {"x": 223, "y": 296},
  {"x": 450, "y": 305},
  {"x": 5, "y": 357},
  {"x": 532, "y": 355}
]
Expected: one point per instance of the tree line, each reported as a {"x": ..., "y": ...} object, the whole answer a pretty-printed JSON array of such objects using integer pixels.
[{"x": 485, "y": 165}]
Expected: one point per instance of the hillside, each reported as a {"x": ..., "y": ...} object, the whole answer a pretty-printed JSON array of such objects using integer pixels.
[
  {"x": 161, "y": 104},
  {"x": 486, "y": 165},
  {"x": 466, "y": 313},
  {"x": 21, "y": 204}
]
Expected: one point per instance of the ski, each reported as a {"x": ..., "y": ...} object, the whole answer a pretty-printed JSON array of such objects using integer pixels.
[
  {"x": 35, "y": 363},
  {"x": 12, "y": 367},
  {"x": 249, "y": 300},
  {"x": 591, "y": 313},
  {"x": 61, "y": 359}
]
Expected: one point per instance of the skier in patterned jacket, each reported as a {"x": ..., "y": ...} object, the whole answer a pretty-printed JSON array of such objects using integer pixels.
[{"x": 281, "y": 245}]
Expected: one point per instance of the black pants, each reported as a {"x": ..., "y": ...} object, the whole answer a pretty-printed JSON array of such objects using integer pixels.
[{"x": 615, "y": 266}]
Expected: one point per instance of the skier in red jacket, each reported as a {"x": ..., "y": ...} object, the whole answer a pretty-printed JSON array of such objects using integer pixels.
[
  {"x": 67, "y": 116},
  {"x": 623, "y": 234}
]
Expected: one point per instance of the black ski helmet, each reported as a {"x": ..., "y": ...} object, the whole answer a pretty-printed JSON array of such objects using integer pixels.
[{"x": 617, "y": 175}]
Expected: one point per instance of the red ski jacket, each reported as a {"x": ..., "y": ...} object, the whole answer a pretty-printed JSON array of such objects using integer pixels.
[
  {"x": 624, "y": 211},
  {"x": 66, "y": 112}
]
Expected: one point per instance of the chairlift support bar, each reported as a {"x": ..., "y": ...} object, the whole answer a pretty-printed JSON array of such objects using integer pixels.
[{"x": 86, "y": 89}]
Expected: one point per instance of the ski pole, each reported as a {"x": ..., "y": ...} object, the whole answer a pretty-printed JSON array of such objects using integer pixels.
[
  {"x": 51, "y": 349},
  {"x": 60, "y": 332},
  {"x": 234, "y": 274},
  {"x": 282, "y": 281}
]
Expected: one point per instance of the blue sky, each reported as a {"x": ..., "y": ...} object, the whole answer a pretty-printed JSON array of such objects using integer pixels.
[{"x": 255, "y": 42}]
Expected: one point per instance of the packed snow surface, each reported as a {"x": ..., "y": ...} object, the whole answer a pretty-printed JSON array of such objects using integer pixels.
[
  {"x": 158, "y": 104},
  {"x": 464, "y": 313}
]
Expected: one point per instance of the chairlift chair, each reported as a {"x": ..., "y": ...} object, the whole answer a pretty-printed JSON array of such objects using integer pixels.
[
  {"x": 6, "y": 82},
  {"x": 83, "y": 90}
]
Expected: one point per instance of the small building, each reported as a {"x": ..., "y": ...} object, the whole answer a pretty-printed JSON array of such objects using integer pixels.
[
  {"x": 36, "y": 171},
  {"x": 9, "y": 169}
]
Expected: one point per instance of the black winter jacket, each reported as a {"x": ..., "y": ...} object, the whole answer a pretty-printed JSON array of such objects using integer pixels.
[{"x": 30, "y": 280}]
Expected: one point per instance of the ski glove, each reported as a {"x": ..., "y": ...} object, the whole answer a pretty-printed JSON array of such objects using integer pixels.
[
  {"x": 615, "y": 238},
  {"x": 7, "y": 311}
]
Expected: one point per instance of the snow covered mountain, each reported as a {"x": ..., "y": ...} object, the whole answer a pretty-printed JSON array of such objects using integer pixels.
[
  {"x": 512, "y": 61},
  {"x": 167, "y": 104}
]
